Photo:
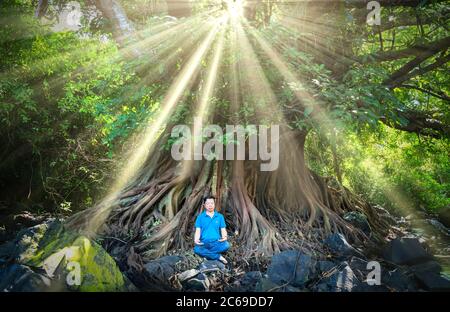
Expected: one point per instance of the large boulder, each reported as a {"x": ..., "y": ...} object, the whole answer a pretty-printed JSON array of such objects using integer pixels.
[
  {"x": 160, "y": 270},
  {"x": 324, "y": 266},
  {"x": 77, "y": 261},
  {"x": 433, "y": 281},
  {"x": 427, "y": 267},
  {"x": 407, "y": 251},
  {"x": 291, "y": 267}
]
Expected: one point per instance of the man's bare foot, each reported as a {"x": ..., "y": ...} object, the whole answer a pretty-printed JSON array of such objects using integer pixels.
[{"x": 223, "y": 260}]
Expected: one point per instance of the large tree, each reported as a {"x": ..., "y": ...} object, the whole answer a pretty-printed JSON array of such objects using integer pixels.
[{"x": 158, "y": 204}]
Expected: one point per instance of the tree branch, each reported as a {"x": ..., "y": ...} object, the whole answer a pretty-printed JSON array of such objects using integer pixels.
[
  {"x": 420, "y": 123},
  {"x": 404, "y": 73},
  {"x": 419, "y": 50},
  {"x": 437, "y": 94}
]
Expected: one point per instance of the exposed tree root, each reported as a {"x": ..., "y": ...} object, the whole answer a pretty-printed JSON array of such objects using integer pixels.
[{"x": 291, "y": 207}]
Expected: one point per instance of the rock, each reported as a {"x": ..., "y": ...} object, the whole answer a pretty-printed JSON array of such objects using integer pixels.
[
  {"x": 99, "y": 272},
  {"x": 249, "y": 282},
  {"x": 211, "y": 266},
  {"x": 439, "y": 226},
  {"x": 324, "y": 266},
  {"x": 20, "y": 278},
  {"x": 427, "y": 267},
  {"x": 359, "y": 268},
  {"x": 198, "y": 283},
  {"x": 293, "y": 267},
  {"x": 444, "y": 216},
  {"x": 406, "y": 251},
  {"x": 84, "y": 264},
  {"x": 340, "y": 281},
  {"x": 338, "y": 244},
  {"x": 359, "y": 220},
  {"x": 432, "y": 281},
  {"x": 171, "y": 260},
  {"x": 265, "y": 285},
  {"x": 385, "y": 215},
  {"x": 163, "y": 268},
  {"x": 398, "y": 280},
  {"x": 289, "y": 288},
  {"x": 129, "y": 286},
  {"x": 188, "y": 274}
]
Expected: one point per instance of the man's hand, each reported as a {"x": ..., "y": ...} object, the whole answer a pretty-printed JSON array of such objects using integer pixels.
[
  {"x": 197, "y": 237},
  {"x": 224, "y": 234}
]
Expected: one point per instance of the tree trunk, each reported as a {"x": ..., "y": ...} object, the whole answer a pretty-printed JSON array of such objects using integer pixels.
[
  {"x": 41, "y": 8},
  {"x": 122, "y": 29},
  {"x": 179, "y": 8}
]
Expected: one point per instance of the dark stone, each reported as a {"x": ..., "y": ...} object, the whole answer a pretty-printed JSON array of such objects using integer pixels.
[
  {"x": 358, "y": 263},
  {"x": 249, "y": 281},
  {"x": 398, "y": 280},
  {"x": 406, "y": 251},
  {"x": 340, "y": 281},
  {"x": 444, "y": 216},
  {"x": 324, "y": 266},
  {"x": 163, "y": 268},
  {"x": 359, "y": 267},
  {"x": 432, "y": 281},
  {"x": 288, "y": 288},
  {"x": 292, "y": 267},
  {"x": 338, "y": 244},
  {"x": 211, "y": 266},
  {"x": 20, "y": 278},
  {"x": 439, "y": 226},
  {"x": 427, "y": 267},
  {"x": 266, "y": 285},
  {"x": 7, "y": 251},
  {"x": 197, "y": 283},
  {"x": 385, "y": 215},
  {"x": 171, "y": 260},
  {"x": 359, "y": 220},
  {"x": 364, "y": 287}
]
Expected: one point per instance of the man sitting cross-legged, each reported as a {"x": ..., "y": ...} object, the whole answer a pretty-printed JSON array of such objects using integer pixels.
[{"x": 210, "y": 232}]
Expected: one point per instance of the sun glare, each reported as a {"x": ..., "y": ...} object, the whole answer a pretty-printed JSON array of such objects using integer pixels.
[{"x": 234, "y": 8}]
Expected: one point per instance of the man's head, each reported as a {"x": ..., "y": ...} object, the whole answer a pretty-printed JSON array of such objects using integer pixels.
[{"x": 209, "y": 202}]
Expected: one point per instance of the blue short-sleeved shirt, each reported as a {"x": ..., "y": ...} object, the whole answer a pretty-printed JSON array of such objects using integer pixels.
[{"x": 210, "y": 227}]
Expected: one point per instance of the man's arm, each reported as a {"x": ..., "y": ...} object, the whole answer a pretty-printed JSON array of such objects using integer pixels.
[
  {"x": 223, "y": 232},
  {"x": 197, "y": 237}
]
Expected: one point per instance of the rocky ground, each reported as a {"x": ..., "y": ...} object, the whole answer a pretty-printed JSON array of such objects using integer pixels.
[{"x": 43, "y": 256}]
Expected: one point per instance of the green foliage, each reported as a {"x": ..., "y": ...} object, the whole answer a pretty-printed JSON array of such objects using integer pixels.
[
  {"x": 68, "y": 99},
  {"x": 390, "y": 168}
]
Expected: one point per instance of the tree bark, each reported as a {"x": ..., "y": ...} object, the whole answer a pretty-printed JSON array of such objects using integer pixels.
[
  {"x": 41, "y": 8},
  {"x": 179, "y": 8},
  {"x": 122, "y": 29}
]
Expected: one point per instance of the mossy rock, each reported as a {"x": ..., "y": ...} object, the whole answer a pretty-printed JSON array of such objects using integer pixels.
[{"x": 83, "y": 264}]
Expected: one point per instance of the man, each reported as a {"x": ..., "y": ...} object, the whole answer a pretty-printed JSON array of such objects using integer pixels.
[{"x": 210, "y": 232}]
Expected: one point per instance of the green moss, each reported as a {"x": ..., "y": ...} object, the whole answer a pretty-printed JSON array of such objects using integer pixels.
[
  {"x": 99, "y": 272},
  {"x": 51, "y": 246}
]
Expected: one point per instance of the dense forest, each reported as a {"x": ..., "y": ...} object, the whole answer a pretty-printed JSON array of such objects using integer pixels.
[{"x": 90, "y": 92}]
